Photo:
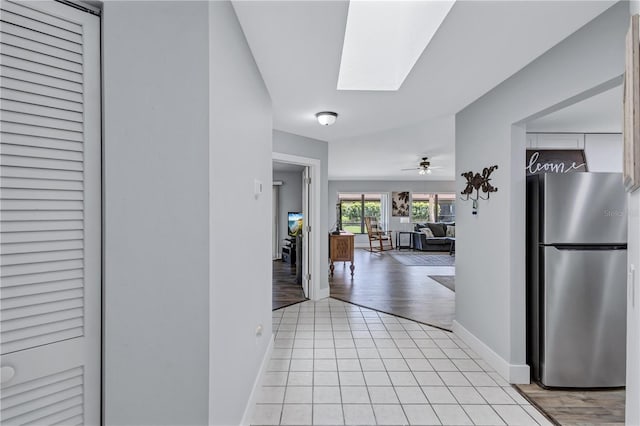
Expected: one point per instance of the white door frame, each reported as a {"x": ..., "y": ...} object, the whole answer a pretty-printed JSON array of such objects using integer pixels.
[
  {"x": 275, "y": 232},
  {"x": 314, "y": 204}
]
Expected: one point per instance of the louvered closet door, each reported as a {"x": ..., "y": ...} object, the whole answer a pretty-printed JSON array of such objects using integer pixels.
[{"x": 49, "y": 214}]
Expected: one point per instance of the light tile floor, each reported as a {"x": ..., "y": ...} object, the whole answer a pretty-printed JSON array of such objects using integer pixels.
[{"x": 334, "y": 363}]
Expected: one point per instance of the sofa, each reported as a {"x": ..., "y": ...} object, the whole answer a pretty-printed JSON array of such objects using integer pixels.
[{"x": 433, "y": 236}]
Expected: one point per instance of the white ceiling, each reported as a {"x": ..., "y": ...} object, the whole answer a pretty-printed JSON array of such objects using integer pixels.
[
  {"x": 599, "y": 114},
  {"x": 379, "y": 156},
  {"x": 297, "y": 46}
]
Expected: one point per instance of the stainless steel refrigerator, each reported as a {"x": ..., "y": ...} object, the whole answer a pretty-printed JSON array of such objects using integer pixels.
[{"x": 576, "y": 279}]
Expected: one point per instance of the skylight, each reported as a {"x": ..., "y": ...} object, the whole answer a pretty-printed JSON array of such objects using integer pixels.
[{"x": 384, "y": 39}]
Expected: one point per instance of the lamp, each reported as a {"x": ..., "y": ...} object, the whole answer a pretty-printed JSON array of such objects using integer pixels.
[{"x": 326, "y": 118}]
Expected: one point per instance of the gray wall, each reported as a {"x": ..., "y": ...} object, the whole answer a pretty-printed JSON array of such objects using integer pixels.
[
  {"x": 156, "y": 213},
  {"x": 383, "y": 186},
  {"x": 288, "y": 143},
  {"x": 240, "y": 255},
  {"x": 186, "y": 115},
  {"x": 490, "y": 257},
  {"x": 290, "y": 200}
]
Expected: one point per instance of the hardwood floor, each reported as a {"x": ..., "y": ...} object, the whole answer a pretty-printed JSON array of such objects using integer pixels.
[
  {"x": 286, "y": 291},
  {"x": 568, "y": 407},
  {"x": 382, "y": 283}
]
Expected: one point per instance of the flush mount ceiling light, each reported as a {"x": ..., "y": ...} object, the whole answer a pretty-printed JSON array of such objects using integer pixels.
[
  {"x": 326, "y": 118},
  {"x": 384, "y": 39}
]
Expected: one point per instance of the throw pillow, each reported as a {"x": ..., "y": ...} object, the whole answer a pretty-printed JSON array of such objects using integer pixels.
[
  {"x": 427, "y": 232},
  {"x": 451, "y": 231},
  {"x": 437, "y": 229}
]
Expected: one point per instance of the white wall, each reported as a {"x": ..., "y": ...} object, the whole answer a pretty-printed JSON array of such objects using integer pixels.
[
  {"x": 156, "y": 213},
  {"x": 603, "y": 151},
  {"x": 288, "y": 143},
  {"x": 241, "y": 143},
  {"x": 290, "y": 200},
  {"x": 632, "y": 411},
  {"x": 186, "y": 114},
  {"x": 490, "y": 257}
]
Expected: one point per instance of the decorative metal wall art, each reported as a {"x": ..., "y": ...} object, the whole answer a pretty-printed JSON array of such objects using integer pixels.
[{"x": 478, "y": 182}]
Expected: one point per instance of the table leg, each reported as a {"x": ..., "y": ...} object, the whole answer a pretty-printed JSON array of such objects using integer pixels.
[
  {"x": 352, "y": 268},
  {"x": 331, "y": 267}
]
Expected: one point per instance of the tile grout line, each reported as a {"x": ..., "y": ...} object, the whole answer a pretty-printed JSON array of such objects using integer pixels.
[
  {"x": 446, "y": 385},
  {"x": 411, "y": 371},
  {"x": 313, "y": 362},
  {"x": 337, "y": 370},
  {"x": 373, "y": 323}
]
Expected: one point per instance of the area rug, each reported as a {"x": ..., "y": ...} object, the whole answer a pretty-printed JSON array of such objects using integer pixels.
[
  {"x": 449, "y": 281},
  {"x": 421, "y": 259}
]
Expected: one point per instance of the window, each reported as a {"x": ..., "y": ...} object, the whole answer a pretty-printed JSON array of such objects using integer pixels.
[
  {"x": 421, "y": 207},
  {"x": 355, "y": 207},
  {"x": 446, "y": 207},
  {"x": 433, "y": 207}
]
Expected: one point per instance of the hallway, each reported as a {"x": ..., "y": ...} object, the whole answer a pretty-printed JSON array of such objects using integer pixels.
[{"x": 335, "y": 363}]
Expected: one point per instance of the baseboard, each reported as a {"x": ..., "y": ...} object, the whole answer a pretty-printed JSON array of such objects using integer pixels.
[
  {"x": 323, "y": 293},
  {"x": 512, "y": 373},
  {"x": 257, "y": 384}
]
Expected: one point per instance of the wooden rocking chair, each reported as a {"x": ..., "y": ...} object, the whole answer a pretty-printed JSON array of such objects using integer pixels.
[{"x": 379, "y": 240}]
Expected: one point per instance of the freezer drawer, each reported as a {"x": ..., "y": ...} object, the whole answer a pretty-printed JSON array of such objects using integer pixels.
[{"x": 584, "y": 318}]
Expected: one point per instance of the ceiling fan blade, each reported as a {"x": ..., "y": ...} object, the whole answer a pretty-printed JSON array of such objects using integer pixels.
[{"x": 413, "y": 168}]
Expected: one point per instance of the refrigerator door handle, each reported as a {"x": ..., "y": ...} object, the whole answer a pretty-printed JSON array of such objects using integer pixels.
[{"x": 584, "y": 247}]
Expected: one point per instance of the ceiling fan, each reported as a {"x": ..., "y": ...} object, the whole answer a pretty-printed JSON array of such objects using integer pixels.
[{"x": 424, "y": 167}]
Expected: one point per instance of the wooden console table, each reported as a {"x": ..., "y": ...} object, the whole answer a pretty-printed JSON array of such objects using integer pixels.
[{"x": 341, "y": 249}]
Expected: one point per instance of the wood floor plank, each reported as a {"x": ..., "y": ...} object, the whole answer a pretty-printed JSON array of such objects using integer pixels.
[
  {"x": 578, "y": 407},
  {"x": 285, "y": 289}
]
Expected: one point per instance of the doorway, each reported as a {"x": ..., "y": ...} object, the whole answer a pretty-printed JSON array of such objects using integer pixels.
[
  {"x": 309, "y": 249},
  {"x": 591, "y": 127},
  {"x": 290, "y": 214},
  {"x": 51, "y": 214}
]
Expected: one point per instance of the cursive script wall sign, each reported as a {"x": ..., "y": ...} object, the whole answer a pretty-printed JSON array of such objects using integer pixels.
[{"x": 555, "y": 161}]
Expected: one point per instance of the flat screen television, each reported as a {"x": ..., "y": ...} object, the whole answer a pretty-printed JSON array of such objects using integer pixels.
[{"x": 294, "y": 223}]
